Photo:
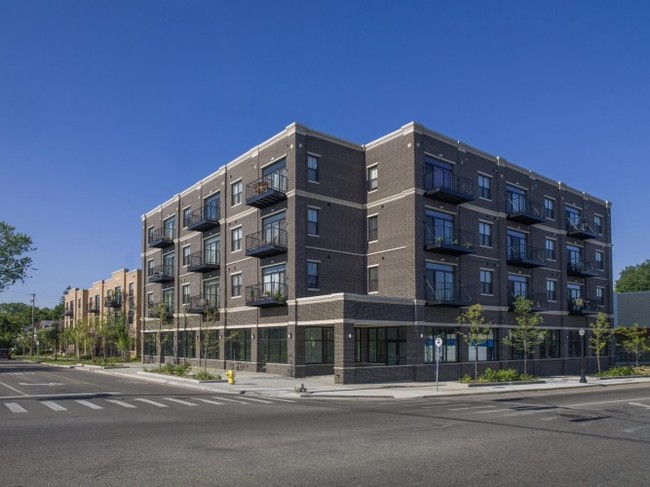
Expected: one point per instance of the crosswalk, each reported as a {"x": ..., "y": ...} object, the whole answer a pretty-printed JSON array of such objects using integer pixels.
[{"x": 135, "y": 403}]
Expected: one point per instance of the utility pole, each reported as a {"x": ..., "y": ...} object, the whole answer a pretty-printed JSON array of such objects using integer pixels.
[{"x": 31, "y": 347}]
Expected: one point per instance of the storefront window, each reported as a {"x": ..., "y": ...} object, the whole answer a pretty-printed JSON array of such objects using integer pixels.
[
  {"x": 319, "y": 345},
  {"x": 449, "y": 348},
  {"x": 381, "y": 345}
]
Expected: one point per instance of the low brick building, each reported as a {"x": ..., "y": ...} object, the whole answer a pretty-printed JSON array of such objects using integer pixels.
[{"x": 312, "y": 255}]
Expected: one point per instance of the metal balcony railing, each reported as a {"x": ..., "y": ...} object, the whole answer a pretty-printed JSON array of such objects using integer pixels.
[
  {"x": 445, "y": 186},
  {"x": 582, "y": 268},
  {"x": 113, "y": 300},
  {"x": 267, "y": 242},
  {"x": 204, "y": 218},
  {"x": 162, "y": 273},
  {"x": 582, "y": 306},
  {"x": 203, "y": 303},
  {"x": 451, "y": 295},
  {"x": 160, "y": 310},
  {"x": 521, "y": 209},
  {"x": 267, "y": 190},
  {"x": 266, "y": 294},
  {"x": 445, "y": 240},
  {"x": 580, "y": 228},
  {"x": 526, "y": 256},
  {"x": 539, "y": 301},
  {"x": 205, "y": 261},
  {"x": 161, "y": 238}
]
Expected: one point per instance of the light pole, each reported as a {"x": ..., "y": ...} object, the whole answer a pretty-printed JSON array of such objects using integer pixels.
[{"x": 583, "y": 379}]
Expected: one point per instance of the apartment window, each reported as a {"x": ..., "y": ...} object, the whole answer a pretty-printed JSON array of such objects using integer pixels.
[
  {"x": 385, "y": 346},
  {"x": 598, "y": 224},
  {"x": 486, "y": 279},
  {"x": 487, "y": 349},
  {"x": 168, "y": 263},
  {"x": 439, "y": 228},
  {"x": 600, "y": 296},
  {"x": 600, "y": 260},
  {"x": 551, "y": 290},
  {"x": 274, "y": 175},
  {"x": 168, "y": 299},
  {"x": 575, "y": 296},
  {"x": 373, "y": 279},
  {"x": 211, "y": 250},
  {"x": 236, "y": 285},
  {"x": 319, "y": 345},
  {"x": 150, "y": 231},
  {"x": 273, "y": 345},
  {"x": 574, "y": 256},
  {"x": 238, "y": 345},
  {"x": 312, "y": 221},
  {"x": 573, "y": 217},
  {"x": 484, "y": 187},
  {"x": 550, "y": 248},
  {"x": 485, "y": 234},
  {"x": 517, "y": 244},
  {"x": 150, "y": 268},
  {"x": 549, "y": 208},
  {"x": 449, "y": 348},
  {"x": 235, "y": 193},
  {"x": 312, "y": 169},
  {"x": 550, "y": 347},
  {"x": 373, "y": 174},
  {"x": 185, "y": 294},
  {"x": 439, "y": 282},
  {"x": 437, "y": 174},
  {"x": 312, "y": 275},
  {"x": 236, "y": 236},
  {"x": 517, "y": 287},
  {"x": 187, "y": 215},
  {"x": 187, "y": 251},
  {"x": 373, "y": 228},
  {"x": 211, "y": 206},
  {"x": 170, "y": 227},
  {"x": 211, "y": 292},
  {"x": 150, "y": 305}
]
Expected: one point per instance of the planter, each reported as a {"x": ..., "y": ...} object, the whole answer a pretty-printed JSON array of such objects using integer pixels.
[{"x": 511, "y": 383}]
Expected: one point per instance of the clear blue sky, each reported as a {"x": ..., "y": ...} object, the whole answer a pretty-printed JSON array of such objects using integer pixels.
[{"x": 108, "y": 108}]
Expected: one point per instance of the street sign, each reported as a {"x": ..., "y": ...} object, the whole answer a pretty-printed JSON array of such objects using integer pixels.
[{"x": 438, "y": 342}]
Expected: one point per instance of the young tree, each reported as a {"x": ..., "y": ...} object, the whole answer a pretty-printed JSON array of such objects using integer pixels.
[
  {"x": 634, "y": 278},
  {"x": 601, "y": 333},
  {"x": 635, "y": 340},
  {"x": 14, "y": 265},
  {"x": 527, "y": 334},
  {"x": 122, "y": 336},
  {"x": 478, "y": 331}
]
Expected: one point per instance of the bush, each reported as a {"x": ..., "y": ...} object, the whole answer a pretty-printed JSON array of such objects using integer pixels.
[
  {"x": 169, "y": 369},
  {"x": 203, "y": 375},
  {"x": 499, "y": 375},
  {"x": 466, "y": 379},
  {"x": 617, "y": 371}
]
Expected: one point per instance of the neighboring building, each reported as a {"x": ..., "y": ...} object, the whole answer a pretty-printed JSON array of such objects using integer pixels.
[
  {"x": 311, "y": 255},
  {"x": 117, "y": 295},
  {"x": 632, "y": 308}
]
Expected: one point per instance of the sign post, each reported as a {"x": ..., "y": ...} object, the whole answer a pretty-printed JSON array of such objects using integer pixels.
[{"x": 438, "y": 345}]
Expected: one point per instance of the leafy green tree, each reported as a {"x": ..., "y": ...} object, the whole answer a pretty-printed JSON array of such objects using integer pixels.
[
  {"x": 635, "y": 340},
  {"x": 601, "y": 334},
  {"x": 14, "y": 264},
  {"x": 123, "y": 337},
  {"x": 478, "y": 331},
  {"x": 634, "y": 278},
  {"x": 527, "y": 334}
]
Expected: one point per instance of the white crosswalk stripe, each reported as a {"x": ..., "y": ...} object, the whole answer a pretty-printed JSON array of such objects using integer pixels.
[
  {"x": 180, "y": 401},
  {"x": 121, "y": 403},
  {"x": 208, "y": 401},
  {"x": 257, "y": 400},
  {"x": 149, "y": 401},
  {"x": 54, "y": 406},
  {"x": 89, "y": 404},
  {"x": 231, "y": 400},
  {"x": 14, "y": 407}
]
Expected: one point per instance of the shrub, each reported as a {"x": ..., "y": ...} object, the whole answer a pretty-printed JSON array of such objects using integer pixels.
[
  {"x": 500, "y": 375},
  {"x": 203, "y": 375},
  {"x": 617, "y": 371},
  {"x": 466, "y": 379}
]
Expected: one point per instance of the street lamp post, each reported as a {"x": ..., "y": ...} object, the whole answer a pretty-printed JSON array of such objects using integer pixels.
[{"x": 583, "y": 379}]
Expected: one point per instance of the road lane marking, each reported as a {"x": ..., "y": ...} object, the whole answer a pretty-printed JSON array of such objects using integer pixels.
[
  {"x": 12, "y": 388},
  {"x": 606, "y": 402},
  {"x": 639, "y": 404},
  {"x": 208, "y": 401},
  {"x": 89, "y": 404},
  {"x": 53, "y": 406},
  {"x": 634, "y": 430},
  {"x": 121, "y": 403},
  {"x": 14, "y": 407},
  {"x": 180, "y": 401},
  {"x": 231, "y": 400},
  {"x": 257, "y": 400},
  {"x": 46, "y": 384},
  {"x": 149, "y": 401},
  {"x": 283, "y": 400},
  {"x": 469, "y": 408}
]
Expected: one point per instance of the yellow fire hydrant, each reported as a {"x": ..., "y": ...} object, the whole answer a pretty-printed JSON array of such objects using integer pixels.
[{"x": 230, "y": 374}]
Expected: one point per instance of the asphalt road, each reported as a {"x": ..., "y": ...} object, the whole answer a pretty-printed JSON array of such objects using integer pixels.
[{"x": 68, "y": 427}]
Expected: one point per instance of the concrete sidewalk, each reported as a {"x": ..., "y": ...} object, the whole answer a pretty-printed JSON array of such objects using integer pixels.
[{"x": 323, "y": 386}]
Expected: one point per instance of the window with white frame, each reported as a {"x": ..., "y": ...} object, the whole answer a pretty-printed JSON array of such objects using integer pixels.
[
  {"x": 236, "y": 237},
  {"x": 312, "y": 168},
  {"x": 236, "y": 190},
  {"x": 486, "y": 278},
  {"x": 185, "y": 294},
  {"x": 373, "y": 228},
  {"x": 600, "y": 296},
  {"x": 187, "y": 216},
  {"x": 549, "y": 208},
  {"x": 150, "y": 268},
  {"x": 598, "y": 224},
  {"x": 373, "y": 279},
  {"x": 313, "y": 268},
  {"x": 600, "y": 260},
  {"x": 187, "y": 251},
  {"x": 485, "y": 234},
  {"x": 313, "y": 215},
  {"x": 373, "y": 178},
  {"x": 484, "y": 187},
  {"x": 550, "y": 248},
  {"x": 236, "y": 285},
  {"x": 551, "y": 290}
]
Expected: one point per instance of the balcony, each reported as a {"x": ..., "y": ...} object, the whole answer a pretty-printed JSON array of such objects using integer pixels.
[
  {"x": 581, "y": 229},
  {"x": 584, "y": 307},
  {"x": 268, "y": 242},
  {"x": 523, "y": 210},
  {"x": 267, "y": 190},
  {"x": 113, "y": 301},
  {"x": 452, "y": 189},
  {"x": 204, "y": 218},
  {"x": 445, "y": 241},
  {"x": 203, "y": 303},
  {"x": 582, "y": 268},
  {"x": 527, "y": 257},
  {"x": 68, "y": 312},
  {"x": 161, "y": 274},
  {"x": 160, "y": 310},
  {"x": 266, "y": 295},
  {"x": 93, "y": 308},
  {"x": 448, "y": 295},
  {"x": 161, "y": 238},
  {"x": 205, "y": 261},
  {"x": 539, "y": 301}
]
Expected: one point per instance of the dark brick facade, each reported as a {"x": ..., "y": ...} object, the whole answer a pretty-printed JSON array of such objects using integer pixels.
[{"x": 403, "y": 201}]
